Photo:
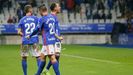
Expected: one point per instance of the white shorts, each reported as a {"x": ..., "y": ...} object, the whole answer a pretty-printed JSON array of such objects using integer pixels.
[
  {"x": 32, "y": 49},
  {"x": 58, "y": 47},
  {"x": 48, "y": 50}
]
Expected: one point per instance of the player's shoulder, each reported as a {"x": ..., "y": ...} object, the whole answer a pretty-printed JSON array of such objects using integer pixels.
[
  {"x": 54, "y": 16},
  {"x": 51, "y": 16},
  {"x": 34, "y": 16},
  {"x": 23, "y": 18},
  {"x": 42, "y": 18},
  {"x": 45, "y": 17}
]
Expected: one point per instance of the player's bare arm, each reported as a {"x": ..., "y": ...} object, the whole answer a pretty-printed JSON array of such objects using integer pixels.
[
  {"x": 58, "y": 37},
  {"x": 20, "y": 32}
]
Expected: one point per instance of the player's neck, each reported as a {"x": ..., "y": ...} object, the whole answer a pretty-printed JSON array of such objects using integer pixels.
[
  {"x": 28, "y": 14},
  {"x": 54, "y": 13},
  {"x": 44, "y": 14}
]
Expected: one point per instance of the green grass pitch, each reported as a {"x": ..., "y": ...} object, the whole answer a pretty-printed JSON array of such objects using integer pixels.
[{"x": 75, "y": 60}]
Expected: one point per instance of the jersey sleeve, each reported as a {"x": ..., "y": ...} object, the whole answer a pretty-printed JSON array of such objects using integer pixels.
[
  {"x": 34, "y": 32},
  {"x": 40, "y": 23},
  {"x": 20, "y": 24},
  {"x": 57, "y": 28}
]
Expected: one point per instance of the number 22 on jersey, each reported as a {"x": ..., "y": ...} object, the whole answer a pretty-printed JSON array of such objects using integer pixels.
[{"x": 29, "y": 28}]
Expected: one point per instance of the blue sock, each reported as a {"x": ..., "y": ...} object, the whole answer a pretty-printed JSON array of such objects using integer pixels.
[
  {"x": 38, "y": 61},
  {"x": 56, "y": 68},
  {"x": 49, "y": 64},
  {"x": 24, "y": 66},
  {"x": 41, "y": 66}
]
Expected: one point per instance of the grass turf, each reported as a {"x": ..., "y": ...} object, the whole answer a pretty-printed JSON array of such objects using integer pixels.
[{"x": 75, "y": 60}]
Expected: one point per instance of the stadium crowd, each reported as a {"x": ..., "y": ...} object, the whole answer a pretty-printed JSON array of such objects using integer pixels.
[{"x": 11, "y": 11}]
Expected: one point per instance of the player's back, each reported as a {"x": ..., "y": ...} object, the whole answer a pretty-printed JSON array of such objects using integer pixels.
[
  {"x": 28, "y": 24},
  {"x": 48, "y": 29}
]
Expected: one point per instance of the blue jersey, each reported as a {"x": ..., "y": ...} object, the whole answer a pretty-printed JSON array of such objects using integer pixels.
[
  {"x": 28, "y": 24},
  {"x": 57, "y": 28},
  {"x": 47, "y": 27}
]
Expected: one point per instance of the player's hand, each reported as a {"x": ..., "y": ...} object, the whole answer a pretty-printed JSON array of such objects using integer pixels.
[
  {"x": 28, "y": 37},
  {"x": 60, "y": 38},
  {"x": 20, "y": 33}
]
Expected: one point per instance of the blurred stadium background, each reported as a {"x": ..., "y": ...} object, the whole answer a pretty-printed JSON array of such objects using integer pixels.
[
  {"x": 93, "y": 21},
  {"x": 94, "y": 24}
]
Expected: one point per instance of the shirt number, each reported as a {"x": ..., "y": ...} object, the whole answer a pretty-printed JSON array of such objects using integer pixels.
[
  {"x": 29, "y": 28},
  {"x": 51, "y": 26}
]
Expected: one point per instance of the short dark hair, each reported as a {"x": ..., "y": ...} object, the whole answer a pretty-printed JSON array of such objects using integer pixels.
[
  {"x": 42, "y": 7},
  {"x": 26, "y": 8},
  {"x": 52, "y": 7}
]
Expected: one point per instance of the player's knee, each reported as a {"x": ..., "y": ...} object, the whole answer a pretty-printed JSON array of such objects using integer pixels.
[
  {"x": 38, "y": 57},
  {"x": 53, "y": 59},
  {"x": 24, "y": 58},
  {"x": 42, "y": 57}
]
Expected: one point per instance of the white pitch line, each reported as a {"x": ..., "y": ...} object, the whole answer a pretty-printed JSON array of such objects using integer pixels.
[{"x": 91, "y": 59}]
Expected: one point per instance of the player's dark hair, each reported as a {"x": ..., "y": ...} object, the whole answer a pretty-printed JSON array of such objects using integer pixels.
[
  {"x": 42, "y": 8},
  {"x": 52, "y": 7},
  {"x": 26, "y": 8}
]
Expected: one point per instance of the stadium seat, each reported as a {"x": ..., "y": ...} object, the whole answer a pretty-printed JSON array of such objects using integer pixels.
[
  {"x": 35, "y": 9},
  {"x": 90, "y": 21},
  {"x": 84, "y": 21},
  {"x": 112, "y": 21},
  {"x": 96, "y": 21},
  {"x": 72, "y": 19},
  {"x": 60, "y": 17},
  {"x": 113, "y": 14},
  {"x": 117, "y": 20},
  {"x": 83, "y": 14},
  {"x": 78, "y": 18},
  {"x": 107, "y": 21},
  {"x": 122, "y": 21},
  {"x": 2, "y": 18},
  {"x": 101, "y": 21},
  {"x": 12, "y": 11},
  {"x": 65, "y": 17}
]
